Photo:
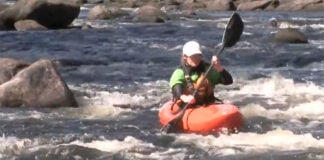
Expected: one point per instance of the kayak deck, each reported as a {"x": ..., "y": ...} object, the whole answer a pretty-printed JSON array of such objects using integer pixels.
[{"x": 213, "y": 118}]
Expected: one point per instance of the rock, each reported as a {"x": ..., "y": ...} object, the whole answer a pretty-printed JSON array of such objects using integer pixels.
[
  {"x": 133, "y": 3},
  {"x": 288, "y": 5},
  {"x": 2, "y": 27},
  {"x": 193, "y": 5},
  {"x": 273, "y": 5},
  {"x": 254, "y": 5},
  {"x": 9, "y": 67},
  {"x": 150, "y": 13},
  {"x": 173, "y": 2},
  {"x": 27, "y": 25},
  {"x": 273, "y": 22},
  {"x": 98, "y": 12},
  {"x": 315, "y": 7},
  {"x": 290, "y": 35},
  {"x": 94, "y": 1},
  {"x": 52, "y": 14},
  {"x": 84, "y": 1},
  {"x": 38, "y": 85},
  {"x": 103, "y": 12},
  {"x": 3, "y": 7},
  {"x": 220, "y": 5}
]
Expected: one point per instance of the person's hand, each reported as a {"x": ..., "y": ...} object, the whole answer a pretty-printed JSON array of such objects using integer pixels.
[
  {"x": 188, "y": 99},
  {"x": 217, "y": 65}
]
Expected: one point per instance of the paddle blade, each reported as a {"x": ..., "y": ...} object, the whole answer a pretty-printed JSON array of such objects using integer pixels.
[
  {"x": 171, "y": 127},
  {"x": 233, "y": 30}
]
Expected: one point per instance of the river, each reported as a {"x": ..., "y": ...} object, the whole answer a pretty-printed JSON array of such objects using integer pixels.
[{"x": 119, "y": 73}]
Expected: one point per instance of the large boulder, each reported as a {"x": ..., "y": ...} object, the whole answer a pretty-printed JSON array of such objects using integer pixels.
[
  {"x": 38, "y": 85},
  {"x": 52, "y": 14}
]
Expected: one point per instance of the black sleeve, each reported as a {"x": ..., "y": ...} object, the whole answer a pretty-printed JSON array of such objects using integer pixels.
[
  {"x": 226, "y": 78},
  {"x": 177, "y": 91}
]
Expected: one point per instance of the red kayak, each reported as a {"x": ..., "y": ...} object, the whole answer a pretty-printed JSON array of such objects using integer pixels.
[{"x": 209, "y": 119}]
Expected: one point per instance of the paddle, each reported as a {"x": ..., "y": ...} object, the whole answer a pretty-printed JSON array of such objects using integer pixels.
[{"x": 232, "y": 34}]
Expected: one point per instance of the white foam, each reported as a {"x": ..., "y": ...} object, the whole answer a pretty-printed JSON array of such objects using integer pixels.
[
  {"x": 288, "y": 25},
  {"x": 13, "y": 145},
  {"x": 130, "y": 145},
  {"x": 22, "y": 115},
  {"x": 317, "y": 26},
  {"x": 102, "y": 104},
  {"x": 135, "y": 147},
  {"x": 311, "y": 110},
  {"x": 104, "y": 98},
  {"x": 291, "y": 100},
  {"x": 115, "y": 146},
  {"x": 96, "y": 103},
  {"x": 317, "y": 43},
  {"x": 277, "y": 85},
  {"x": 306, "y": 19},
  {"x": 251, "y": 143}
]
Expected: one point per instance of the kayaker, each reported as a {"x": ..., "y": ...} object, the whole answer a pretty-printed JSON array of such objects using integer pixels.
[{"x": 184, "y": 78}]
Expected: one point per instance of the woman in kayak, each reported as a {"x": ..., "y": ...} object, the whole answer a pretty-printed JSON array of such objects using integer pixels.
[{"x": 185, "y": 78}]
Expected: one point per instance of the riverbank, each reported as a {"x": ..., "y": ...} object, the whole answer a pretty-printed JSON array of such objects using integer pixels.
[{"x": 133, "y": 10}]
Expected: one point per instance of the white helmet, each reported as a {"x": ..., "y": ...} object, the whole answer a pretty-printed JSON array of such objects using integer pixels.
[{"x": 191, "y": 48}]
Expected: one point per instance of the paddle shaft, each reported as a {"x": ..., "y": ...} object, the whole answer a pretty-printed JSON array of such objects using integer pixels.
[{"x": 173, "y": 124}]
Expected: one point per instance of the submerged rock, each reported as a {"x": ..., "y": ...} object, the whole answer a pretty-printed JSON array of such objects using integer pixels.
[{"x": 290, "y": 35}]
